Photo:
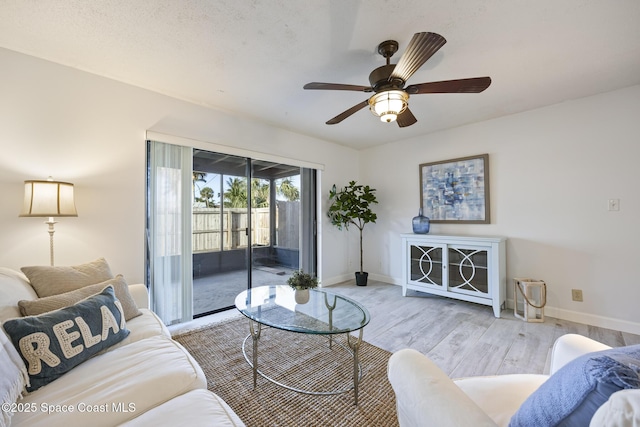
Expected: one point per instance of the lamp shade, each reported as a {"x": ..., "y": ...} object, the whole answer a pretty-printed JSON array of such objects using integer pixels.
[{"x": 48, "y": 199}]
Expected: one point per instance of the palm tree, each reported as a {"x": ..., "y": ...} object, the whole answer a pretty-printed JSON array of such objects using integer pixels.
[
  {"x": 197, "y": 177},
  {"x": 288, "y": 190},
  {"x": 206, "y": 196},
  {"x": 236, "y": 194},
  {"x": 259, "y": 194}
]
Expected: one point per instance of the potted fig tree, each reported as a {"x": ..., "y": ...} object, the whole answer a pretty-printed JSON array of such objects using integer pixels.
[{"x": 352, "y": 206}]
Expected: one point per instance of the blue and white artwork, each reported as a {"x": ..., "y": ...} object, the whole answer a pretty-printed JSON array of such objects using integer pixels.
[{"x": 456, "y": 190}]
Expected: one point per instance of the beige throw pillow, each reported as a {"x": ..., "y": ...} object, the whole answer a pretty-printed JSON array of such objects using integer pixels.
[
  {"x": 47, "y": 281},
  {"x": 56, "y": 302}
]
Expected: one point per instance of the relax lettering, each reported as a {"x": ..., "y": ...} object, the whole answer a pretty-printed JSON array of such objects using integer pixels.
[{"x": 35, "y": 347}]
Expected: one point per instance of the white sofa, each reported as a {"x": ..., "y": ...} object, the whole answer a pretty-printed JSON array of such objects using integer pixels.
[
  {"x": 147, "y": 379},
  {"x": 426, "y": 396}
]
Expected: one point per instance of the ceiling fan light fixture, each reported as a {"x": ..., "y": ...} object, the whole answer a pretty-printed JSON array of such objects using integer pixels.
[
  {"x": 390, "y": 101},
  {"x": 389, "y": 104}
]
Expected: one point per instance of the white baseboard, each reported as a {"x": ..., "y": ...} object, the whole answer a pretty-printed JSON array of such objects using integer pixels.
[
  {"x": 385, "y": 279},
  {"x": 592, "y": 319},
  {"x": 337, "y": 279},
  {"x": 346, "y": 277},
  {"x": 588, "y": 319}
]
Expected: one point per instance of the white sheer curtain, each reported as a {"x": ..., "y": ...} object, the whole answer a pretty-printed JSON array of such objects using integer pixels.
[{"x": 169, "y": 245}]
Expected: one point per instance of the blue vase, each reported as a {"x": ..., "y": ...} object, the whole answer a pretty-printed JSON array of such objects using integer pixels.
[{"x": 420, "y": 223}]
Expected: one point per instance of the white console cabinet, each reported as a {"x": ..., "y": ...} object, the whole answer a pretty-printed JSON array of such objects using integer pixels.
[{"x": 468, "y": 268}]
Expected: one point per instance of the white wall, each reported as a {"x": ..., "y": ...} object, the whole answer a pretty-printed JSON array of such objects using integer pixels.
[
  {"x": 90, "y": 130},
  {"x": 552, "y": 171}
]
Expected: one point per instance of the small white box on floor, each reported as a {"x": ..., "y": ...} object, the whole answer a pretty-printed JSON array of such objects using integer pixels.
[{"x": 530, "y": 297}]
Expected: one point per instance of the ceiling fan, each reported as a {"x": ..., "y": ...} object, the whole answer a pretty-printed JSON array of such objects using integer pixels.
[{"x": 390, "y": 98}]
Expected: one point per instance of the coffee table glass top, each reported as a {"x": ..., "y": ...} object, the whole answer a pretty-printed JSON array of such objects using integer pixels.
[{"x": 325, "y": 313}]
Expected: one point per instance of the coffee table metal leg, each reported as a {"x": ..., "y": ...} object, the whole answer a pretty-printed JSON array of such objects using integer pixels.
[
  {"x": 330, "y": 307},
  {"x": 255, "y": 335},
  {"x": 355, "y": 346}
]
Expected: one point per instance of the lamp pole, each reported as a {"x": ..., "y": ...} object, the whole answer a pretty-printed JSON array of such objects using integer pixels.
[{"x": 51, "y": 222}]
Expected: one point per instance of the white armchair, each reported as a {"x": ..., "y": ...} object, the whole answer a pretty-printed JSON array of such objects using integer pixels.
[{"x": 426, "y": 396}]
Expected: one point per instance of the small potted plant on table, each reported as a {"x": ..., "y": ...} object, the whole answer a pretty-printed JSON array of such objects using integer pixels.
[
  {"x": 352, "y": 206},
  {"x": 302, "y": 282}
]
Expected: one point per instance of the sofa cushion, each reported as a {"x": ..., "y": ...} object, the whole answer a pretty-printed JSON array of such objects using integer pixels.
[
  {"x": 124, "y": 383},
  {"x": 49, "y": 281},
  {"x": 500, "y": 396},
  {"x": 55, "y": 302},
  {"x": 195, "y": 408},
  {"x": 53, "y": 343},
  {"x": 147, "y": 325},
  {"x": 571, "y": 396}
]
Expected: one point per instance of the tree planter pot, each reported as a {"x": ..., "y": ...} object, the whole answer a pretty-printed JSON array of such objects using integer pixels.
[{"x": 361, "y": 278}]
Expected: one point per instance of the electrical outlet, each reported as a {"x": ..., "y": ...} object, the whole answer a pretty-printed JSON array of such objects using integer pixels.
[{"x": 576, "y": 295}]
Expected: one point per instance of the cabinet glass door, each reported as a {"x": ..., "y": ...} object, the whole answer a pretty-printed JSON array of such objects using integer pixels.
[
  {"x": 468, "y": 270},
  {"x": 426, "y": 264}
]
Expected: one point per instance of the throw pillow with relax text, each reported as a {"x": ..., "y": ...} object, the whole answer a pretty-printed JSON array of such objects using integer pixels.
[{"x": 55, "y": 342}]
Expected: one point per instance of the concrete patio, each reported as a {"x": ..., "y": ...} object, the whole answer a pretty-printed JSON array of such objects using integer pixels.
[{"x": 218, "y": 291}]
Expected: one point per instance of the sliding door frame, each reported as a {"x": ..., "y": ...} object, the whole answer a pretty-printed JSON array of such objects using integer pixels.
[{"x": 310, "y": 261}]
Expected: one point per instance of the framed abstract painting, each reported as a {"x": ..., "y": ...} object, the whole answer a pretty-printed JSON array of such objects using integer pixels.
[{"x": 456, "y": 191}]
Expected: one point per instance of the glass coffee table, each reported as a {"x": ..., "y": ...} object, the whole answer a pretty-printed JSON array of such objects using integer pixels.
[{"x": 325, "y": 314}]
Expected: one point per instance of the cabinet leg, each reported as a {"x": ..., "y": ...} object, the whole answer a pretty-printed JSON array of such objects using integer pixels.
[{"x": 496, "y": 310}]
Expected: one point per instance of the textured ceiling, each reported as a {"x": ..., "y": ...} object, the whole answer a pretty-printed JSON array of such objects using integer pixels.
[{"x": 253, "y": 57}]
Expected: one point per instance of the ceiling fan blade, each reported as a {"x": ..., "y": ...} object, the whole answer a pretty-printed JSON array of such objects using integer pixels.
[
  {"x": 340, "y": 117},
  {"x": 337, "y": 86},
  {"x": 472, "y": 85},
  {"x": 421, "y": 47},
  {"x": 406, "y": 119}
]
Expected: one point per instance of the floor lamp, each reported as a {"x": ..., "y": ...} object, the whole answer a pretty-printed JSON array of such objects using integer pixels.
[{"x": 48, "y": 199}]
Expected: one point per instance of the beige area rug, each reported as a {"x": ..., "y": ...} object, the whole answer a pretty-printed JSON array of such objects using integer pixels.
[{"x": 298, "y": 360}]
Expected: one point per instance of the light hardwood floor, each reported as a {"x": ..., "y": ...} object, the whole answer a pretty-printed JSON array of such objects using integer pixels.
[{"x": 464, "y": 339}]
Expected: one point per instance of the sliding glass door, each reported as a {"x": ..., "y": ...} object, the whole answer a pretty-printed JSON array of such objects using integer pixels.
[
  {"x": 247, "y": 226},
  {"x": 251, "y": 223},
  {"x": 221, "y": 227}
]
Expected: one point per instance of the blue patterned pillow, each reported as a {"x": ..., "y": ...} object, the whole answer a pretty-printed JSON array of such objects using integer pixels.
[
  {"x": 55, "y": 342},
  {"x": 574, "y": 393}
]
